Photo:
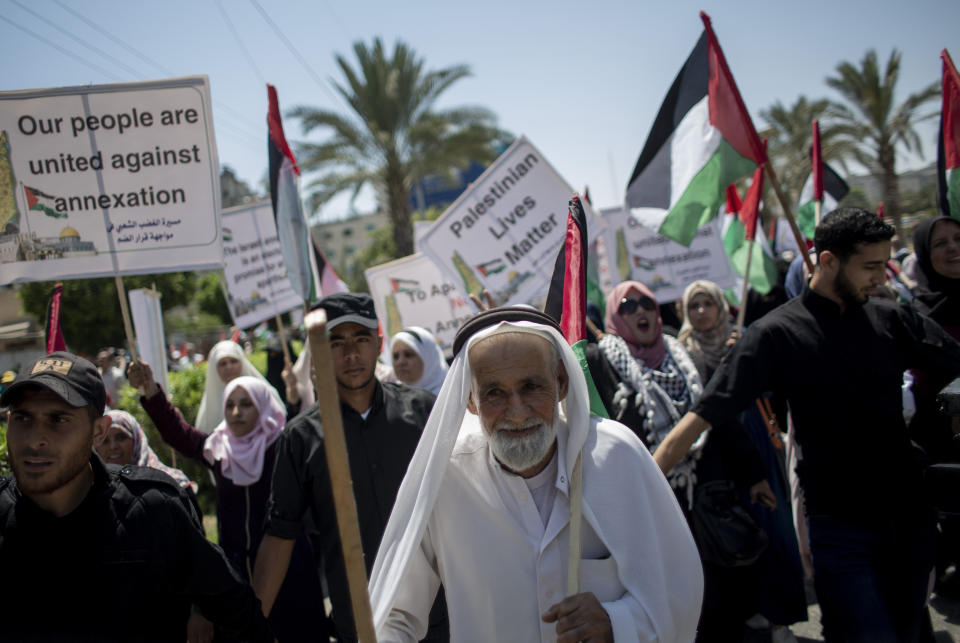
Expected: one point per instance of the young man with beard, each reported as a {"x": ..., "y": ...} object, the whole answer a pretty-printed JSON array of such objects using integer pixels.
[
  {"x": 485, "y": 508},
  {"x": 382, "y": 423},
  {"x": 96, "y": 552},
  {"x": 837, "y": 355}
]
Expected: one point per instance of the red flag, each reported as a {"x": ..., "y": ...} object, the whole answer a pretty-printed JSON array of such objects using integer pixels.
[
  {"x": 727, "y": 111},
  {"x": 750, "y": 211},
  {"x": 733, "y": 200},
  {"x": 948, "y": 147},
  {"x": 880, "y": 209},
  {"x": 55, "y": 340},
  {"x": 817, "y": 164}
]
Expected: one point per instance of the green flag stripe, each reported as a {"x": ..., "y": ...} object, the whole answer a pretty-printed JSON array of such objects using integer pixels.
[
  {"x": 702, "y": 198},
  {"x": 763, "y": 269},
  {"x": 953, "y": 192},
  {"x": 596, "y": 404}
]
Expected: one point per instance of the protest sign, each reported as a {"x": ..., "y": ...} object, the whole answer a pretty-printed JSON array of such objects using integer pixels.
[
  {"x": 254, "y": 271},
  {"x": 412, "y": 292},
  {"x": 636, "y": 251},
  {"x": 108, "y": 179},
  {"x": 148, "y": 326},
  {"x": 505, "y": 230}
]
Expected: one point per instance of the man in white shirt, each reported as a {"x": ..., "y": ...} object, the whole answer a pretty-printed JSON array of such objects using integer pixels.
[{"x": 485, "y": 507}]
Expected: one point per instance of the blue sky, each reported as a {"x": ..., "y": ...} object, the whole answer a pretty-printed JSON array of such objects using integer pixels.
[{"x": 582, "y": 81}]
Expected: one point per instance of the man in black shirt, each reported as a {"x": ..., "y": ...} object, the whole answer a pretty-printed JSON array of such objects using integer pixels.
[
  {"x": 90, "y": 551},
  {"x": 838, "y": 357},
  {"x": 382, "y": 423}
]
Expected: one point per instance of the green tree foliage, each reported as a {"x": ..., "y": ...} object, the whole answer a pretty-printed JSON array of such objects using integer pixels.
[
  {"x": 4, "y": 461},
  {"x": 791, "y": 140},
  {"x": 874, "y": 124},
  {"x": 394, "y": 134}
]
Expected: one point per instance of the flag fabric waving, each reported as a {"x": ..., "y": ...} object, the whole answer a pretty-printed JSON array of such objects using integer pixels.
[
  {"x": 948, "y": 149},
  {"x": 54, "y": 331},
  {"x": 292, "y": 229},
  {"x": 567, "y": 297},
  {"x": 740, "y": 224},
  {"x": 42, "y": 202},
  {"x": 330, "y": 281},
  {"x": 834, "y": 189},
  {"x": 702, "y": 140}
]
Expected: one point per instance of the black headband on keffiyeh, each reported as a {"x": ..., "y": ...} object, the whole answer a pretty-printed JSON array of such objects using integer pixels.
[{"x": 494, "y": 316}]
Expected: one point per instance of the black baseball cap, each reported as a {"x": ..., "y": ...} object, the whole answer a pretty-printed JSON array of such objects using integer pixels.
[
  {"x": 75, "y": 379},
  {"x": 343, "y": 307}
]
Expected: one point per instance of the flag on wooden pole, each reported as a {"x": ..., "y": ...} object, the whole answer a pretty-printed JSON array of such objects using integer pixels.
[
  {"x": 292, "y": 229},
  {"x": 948, "y": 148},
  {"x": 834, "y": 189},
  {"x": 702, "y": 140},
  {"x": 54, "y": 331},
  {"x": 567, "y": 297}
]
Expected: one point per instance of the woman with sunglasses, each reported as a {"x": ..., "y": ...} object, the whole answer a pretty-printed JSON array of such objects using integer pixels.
[{"x": 654, "y": 383}]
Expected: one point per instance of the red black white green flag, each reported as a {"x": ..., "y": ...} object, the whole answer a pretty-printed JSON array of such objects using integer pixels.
[
  {"x": 292, "y": 229},
  {"x": 567, "y": 297},
  {"x": 54, "y": 331},
  {"x": 702, "y": 140},
  {"x": 948, "y": 152}
]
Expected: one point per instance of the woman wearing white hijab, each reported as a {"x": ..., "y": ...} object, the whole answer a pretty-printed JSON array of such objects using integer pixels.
[
  {"x": 418, "y": 359},
  {"x": 225, "y": 361}
]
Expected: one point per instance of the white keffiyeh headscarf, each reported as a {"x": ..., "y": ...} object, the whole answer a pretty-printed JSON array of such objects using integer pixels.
[
  {"x": 425, "y": 345},
  {"x": 211, "y": 406}
]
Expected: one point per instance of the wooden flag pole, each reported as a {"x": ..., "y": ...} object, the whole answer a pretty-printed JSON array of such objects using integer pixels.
[
  {"x": 127, "y": 324},
  {"x": 576, "y": 519},
  {"x": 283, "y": 341},
  {"x": 335, "y": 446},
  {"x": 801, "y": 244},
  {"x": 742, "y": 313}
]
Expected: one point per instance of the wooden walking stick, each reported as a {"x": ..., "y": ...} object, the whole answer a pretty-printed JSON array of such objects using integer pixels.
[{"x": 335, "y": 446}]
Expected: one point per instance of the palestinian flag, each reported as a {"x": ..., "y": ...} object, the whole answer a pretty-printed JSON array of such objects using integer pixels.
[
  {"x": 740, "y": 222},
  {"x": 702, "y": 141},
  {"x": 330, "y": 281},
  {"x": 54, "y": 331},
  {"x": 948, "y": 149},
  {"x": 42, "y": 202},
  {"x": 834, "y": 189},
  {"x": 292, "y": 229},
  {"x": 567, "y": 298}
]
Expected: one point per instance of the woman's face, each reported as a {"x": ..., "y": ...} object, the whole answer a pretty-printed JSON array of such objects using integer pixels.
[
  {"x": 406, "y": 363},
  {"x": 945, "y": 249},
  {"x": 703, "y": 311},
  {"x": 642, "y": 321},
  {"x": 117, "y": 447},
  {"x": 240, "y": 412},
  {"x": 228, "y": 368}
]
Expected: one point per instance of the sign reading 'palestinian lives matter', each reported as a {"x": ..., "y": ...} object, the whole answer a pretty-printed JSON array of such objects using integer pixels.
[
  {"x": 412, "y": 292},
  {"x": 256, "y": 277},
  {"x": 505, "y": 230},
  {"x": 636, "y": 251},
  {"x": 108, "y": 179}
]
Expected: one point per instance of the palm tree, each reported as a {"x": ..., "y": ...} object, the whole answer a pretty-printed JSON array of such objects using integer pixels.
[
  {"x": 393, "y": 136},
  {"x": 791, "y": 139},
  {"x": 876, "y": 126}
]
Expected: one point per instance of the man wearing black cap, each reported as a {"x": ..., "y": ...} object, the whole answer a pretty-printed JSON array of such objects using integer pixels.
[
  {"x": 382, "y": 423},
  {"x": 93, "y": 551}
]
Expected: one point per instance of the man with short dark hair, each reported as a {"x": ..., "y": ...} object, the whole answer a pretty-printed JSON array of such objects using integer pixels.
[
  {"x": 382, "y": 423},
  {"x": 838, "y": 356},
  {"x": 95, "y": 552}
]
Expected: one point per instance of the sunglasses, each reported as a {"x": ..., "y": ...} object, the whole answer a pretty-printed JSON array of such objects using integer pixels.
[{"x": 629, "y": 306}]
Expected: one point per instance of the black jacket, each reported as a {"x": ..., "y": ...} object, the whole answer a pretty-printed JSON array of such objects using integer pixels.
[{"x": 126, "y": 564}]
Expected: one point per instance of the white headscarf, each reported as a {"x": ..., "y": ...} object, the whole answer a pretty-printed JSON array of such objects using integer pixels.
[
  {"x": 425, "y": 345},
  {"x": 211, "y": 406},
  {"x": 241, "y": 458},
  {"x": 643, "y": 571}
]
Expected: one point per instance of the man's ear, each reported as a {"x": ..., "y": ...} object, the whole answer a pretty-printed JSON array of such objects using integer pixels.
[
  {"x": 470, "y": 405},
  {"x": 101, "y": 426},
  {"x": 829, "y": 261},
  {"x": 379, "y": 344},
  {"x": 563, "y": 382}
]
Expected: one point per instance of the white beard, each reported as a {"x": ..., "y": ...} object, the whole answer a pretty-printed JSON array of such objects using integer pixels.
[{"x": 524, "y": 452}]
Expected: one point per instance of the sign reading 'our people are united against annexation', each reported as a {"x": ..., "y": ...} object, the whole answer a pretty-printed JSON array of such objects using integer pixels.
[
  {"x": 636, "y": 251},
  {"x": 504, "y": 231},
  {"x": 412, "y": 292},
  {"x": 254, "y": 272},
  {"x": 108, "y": 179}
]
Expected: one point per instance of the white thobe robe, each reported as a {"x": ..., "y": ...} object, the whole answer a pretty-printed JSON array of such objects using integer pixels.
[{"x": 502, "y": 568}]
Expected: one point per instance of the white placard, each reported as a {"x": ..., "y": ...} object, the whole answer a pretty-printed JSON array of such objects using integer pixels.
[
  {"x": 108, "y": 179},
  {"x": 148, "y": 327},
  {"x": 254, "y": 272},
  {"x": 636, "y": 251},
  {"x": 503, "y": 233},
  {"x": 412, "y": 292}
]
